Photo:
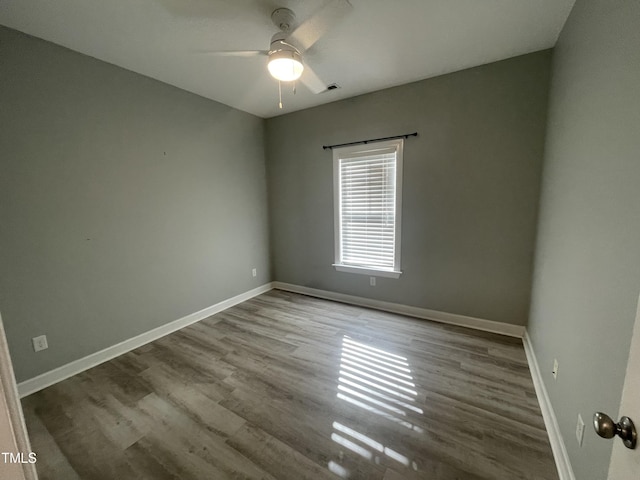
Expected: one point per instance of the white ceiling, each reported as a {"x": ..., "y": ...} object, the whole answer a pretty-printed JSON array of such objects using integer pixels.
[{"x": 381, "y": 43}]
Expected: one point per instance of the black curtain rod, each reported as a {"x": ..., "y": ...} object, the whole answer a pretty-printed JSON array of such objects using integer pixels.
[{"x": 406, "y": 135}]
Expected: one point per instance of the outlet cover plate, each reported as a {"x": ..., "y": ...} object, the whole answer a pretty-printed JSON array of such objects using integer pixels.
[
  {"x": 580, "y": 430},
  {"x": 40, "y": 343}
]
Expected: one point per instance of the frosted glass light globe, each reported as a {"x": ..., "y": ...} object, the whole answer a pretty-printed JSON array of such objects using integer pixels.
[{"x": 285, "y": 65}]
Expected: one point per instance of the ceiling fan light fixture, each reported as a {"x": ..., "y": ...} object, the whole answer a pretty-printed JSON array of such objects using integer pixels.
[{"x": 285, "y": 65}]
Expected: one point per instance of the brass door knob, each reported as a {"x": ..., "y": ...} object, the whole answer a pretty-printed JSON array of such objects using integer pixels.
[{"x": 607, "y": 428}]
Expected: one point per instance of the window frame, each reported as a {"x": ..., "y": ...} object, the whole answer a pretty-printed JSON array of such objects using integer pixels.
[{"x": 354, "y": 151}]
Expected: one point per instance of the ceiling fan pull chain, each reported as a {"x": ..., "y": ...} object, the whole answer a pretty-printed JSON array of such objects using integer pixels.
[
  {"x": 280, "y": 93},
  {"x": 294, "y": 87}
]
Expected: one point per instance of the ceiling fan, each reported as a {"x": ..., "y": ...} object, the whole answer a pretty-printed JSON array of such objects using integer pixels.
[{"x": 287, "y": 46}]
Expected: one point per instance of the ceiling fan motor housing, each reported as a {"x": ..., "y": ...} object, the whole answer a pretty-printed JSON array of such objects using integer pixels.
[{"x": 279, "y": 42}]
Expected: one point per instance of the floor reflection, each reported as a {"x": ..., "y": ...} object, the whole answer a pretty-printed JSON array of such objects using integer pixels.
[{"x": 381, "y": 383}]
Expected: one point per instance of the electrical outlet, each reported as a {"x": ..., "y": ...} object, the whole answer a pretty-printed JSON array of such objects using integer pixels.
[
  {"x": 554, "y": 372},
  {"x": 39, "y": 343},
  {"x": 254, "y": 272},
  {"x": 372, "y": 281},
  {"x": 580, "y": 430}
]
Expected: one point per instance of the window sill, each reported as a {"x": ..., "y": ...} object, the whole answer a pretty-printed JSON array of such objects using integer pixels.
[{"x": 373, "y": 272}]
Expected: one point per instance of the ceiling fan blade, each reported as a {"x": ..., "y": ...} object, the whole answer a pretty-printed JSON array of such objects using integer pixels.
[
  {"x": 312, "y": 81},
  {"x": 314, "y": 27},
  {"x": 234, "y": 53}
]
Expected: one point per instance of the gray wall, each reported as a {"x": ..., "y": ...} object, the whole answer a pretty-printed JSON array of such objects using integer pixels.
[
  {"x": 587, "y": 269},
  {"x": 124, "y": 203},
  {"x": 471, "y": 187}
]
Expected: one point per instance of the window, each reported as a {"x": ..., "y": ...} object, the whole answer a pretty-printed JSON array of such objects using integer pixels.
[{"x": 368, "y": 193}]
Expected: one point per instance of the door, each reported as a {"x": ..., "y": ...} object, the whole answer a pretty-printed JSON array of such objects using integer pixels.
[
  {"x": 14, "y": 441},
  {"x": 625, "y": 463}
]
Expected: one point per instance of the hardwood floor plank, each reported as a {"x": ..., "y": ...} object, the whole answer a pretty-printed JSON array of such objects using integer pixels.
[
  {"x": 145, "y": 464},
  {"x": 286, "y": 386},
  {"x": 51, "y": 461},
  {"x": 266, "y": 451},
  {"x": 192, "y": 449}
]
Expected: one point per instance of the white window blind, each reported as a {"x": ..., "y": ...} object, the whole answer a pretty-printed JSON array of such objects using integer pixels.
[{"x": 367, "y": 215}]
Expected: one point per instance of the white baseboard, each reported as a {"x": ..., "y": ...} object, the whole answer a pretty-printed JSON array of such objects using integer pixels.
[
  {"x": 54, "y": 376},
  {"x": 442, "y": 317},
  {"x": 565, "y": 472}
]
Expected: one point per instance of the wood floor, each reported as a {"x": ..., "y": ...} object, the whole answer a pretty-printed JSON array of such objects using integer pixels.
[{"x": 286, "y": 386}]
